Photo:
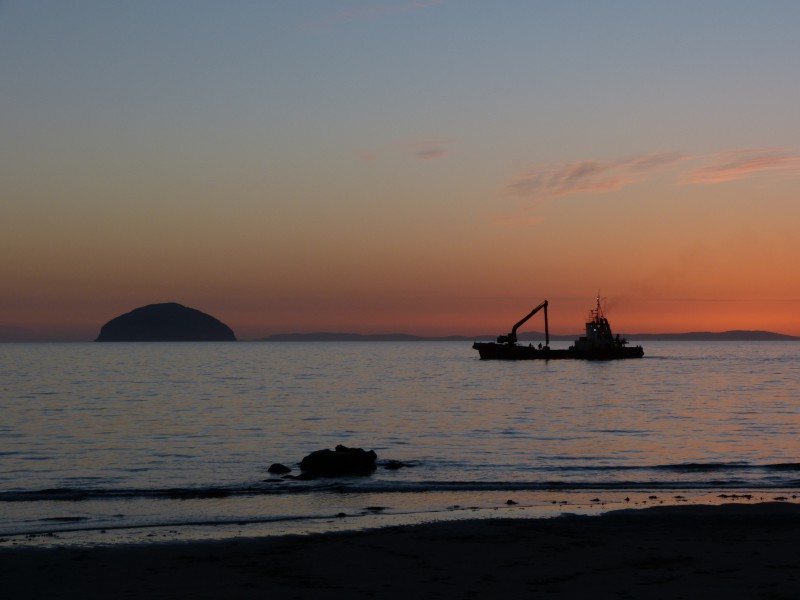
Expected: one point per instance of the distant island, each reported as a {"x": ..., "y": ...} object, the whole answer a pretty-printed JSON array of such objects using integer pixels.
[
  {"x": 694, "y": 336},
  {"x": 167, "y": 322}
]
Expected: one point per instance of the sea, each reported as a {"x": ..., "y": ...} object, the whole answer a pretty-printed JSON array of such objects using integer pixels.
[{"x": 145, "y": 442}]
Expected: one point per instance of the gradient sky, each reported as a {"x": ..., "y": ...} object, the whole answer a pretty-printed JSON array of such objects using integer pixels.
[{"x": 430, "y": 167}]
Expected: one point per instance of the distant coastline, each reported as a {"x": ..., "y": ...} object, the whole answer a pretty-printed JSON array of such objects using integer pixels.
[
  {"x": 736, "y": 335},
  {"x": 692, "y": 336}
]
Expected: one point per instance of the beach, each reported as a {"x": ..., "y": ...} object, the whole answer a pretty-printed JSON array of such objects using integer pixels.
[{"x": 730, "y": 551}]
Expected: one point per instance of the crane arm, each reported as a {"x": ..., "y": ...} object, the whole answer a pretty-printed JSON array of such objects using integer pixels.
[{"x": 511, "y": 338}]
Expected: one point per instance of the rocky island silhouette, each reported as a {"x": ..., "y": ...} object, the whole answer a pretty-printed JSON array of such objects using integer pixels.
[{"x": 167, "y": 322}]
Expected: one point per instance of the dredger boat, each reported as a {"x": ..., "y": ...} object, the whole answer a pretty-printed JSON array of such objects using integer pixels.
[{"x": 598, "y": 343}]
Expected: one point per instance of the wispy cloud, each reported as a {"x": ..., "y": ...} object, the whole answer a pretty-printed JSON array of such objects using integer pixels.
[
  {"x": 588, "y": 176},
  {"x": 421, "y": 149},
  {"x": 551, "y": 180},
  {"x": 428, "y": 149},
  {"x": 741, "y": 164}
]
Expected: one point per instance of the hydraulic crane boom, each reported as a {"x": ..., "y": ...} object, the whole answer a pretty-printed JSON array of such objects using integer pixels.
[{"x": 511, "y": 338}]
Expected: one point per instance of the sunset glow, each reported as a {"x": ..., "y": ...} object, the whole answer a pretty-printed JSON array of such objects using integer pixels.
[{"x": 432, "y": 168}]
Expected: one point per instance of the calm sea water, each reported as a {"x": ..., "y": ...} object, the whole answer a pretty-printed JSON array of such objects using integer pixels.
[{"x": 124, "y": 437}]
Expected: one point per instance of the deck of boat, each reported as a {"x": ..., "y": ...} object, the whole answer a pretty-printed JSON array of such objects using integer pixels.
[{"x": 495, "y": 351}]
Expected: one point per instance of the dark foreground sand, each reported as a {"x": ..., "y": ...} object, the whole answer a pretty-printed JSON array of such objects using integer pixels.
[{"x": 733, "y": 551}]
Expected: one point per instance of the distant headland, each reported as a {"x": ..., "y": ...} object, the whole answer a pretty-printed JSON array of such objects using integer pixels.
[
  {"x": 167, "y": 322},
  {"x": 693, "y": 336}
]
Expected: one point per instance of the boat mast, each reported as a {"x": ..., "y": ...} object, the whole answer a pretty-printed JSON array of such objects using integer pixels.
[{"x": 598, "y": 312}]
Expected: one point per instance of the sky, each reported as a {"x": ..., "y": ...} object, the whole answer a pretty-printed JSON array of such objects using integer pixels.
[{"x": 415, "y": 166}]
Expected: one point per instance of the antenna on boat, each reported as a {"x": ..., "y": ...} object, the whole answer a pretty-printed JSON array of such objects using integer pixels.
[{"x": 599, "y": 312}]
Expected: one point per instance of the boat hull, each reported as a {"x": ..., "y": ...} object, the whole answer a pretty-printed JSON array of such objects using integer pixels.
[{"x": 495, "y": 351}]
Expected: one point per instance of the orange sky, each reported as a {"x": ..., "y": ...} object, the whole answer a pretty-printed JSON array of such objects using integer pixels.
[{"x": 425, "y": 168}]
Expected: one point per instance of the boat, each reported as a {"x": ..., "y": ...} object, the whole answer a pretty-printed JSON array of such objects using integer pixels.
[{"x": 599, "y": 343}]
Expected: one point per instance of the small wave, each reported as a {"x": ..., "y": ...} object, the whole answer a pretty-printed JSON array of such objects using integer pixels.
[
  {"x": 678, "y": 467},
  {"x": 608, "y": 468},
  {"x": 784, "y": 467},
  {"x": 701, "y": 467},
  {"x": 558, "y": 486},
  {"x": 721, "y": 475},
  {"x": 69, "y": 494},
  {"x": 155, "y": 524}
]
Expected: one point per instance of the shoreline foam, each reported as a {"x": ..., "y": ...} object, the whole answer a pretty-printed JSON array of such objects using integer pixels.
[{"x": 90, "y": 523}]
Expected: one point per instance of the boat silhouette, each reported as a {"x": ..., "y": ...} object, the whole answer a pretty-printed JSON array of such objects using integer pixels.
[{"x": 599, "y": 343}]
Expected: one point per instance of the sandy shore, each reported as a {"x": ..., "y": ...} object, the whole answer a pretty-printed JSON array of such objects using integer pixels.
[{"x": 730, "y": 551}]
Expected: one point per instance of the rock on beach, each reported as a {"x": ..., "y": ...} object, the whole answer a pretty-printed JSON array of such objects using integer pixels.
[{"x": 340, "y": 462}]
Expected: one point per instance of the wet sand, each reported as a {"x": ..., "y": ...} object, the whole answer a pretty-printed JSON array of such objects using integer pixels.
[{"x": 729, "y": 551}]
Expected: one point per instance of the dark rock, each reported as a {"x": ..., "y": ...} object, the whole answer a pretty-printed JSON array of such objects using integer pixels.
[
  {"x": 168, "y": 322},
  {"x": 278, "y": 469},
  {"x": 342, "y": 461}
]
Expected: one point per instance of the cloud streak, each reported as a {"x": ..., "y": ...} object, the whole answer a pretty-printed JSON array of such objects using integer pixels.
[
  {"x": 421, "y": 149},
  {"x": 428, "y": 149},
  {"x": 589, "y": 176},
  {"x": 552, "y": 180},
  {"x": 741, "y": 164}
]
